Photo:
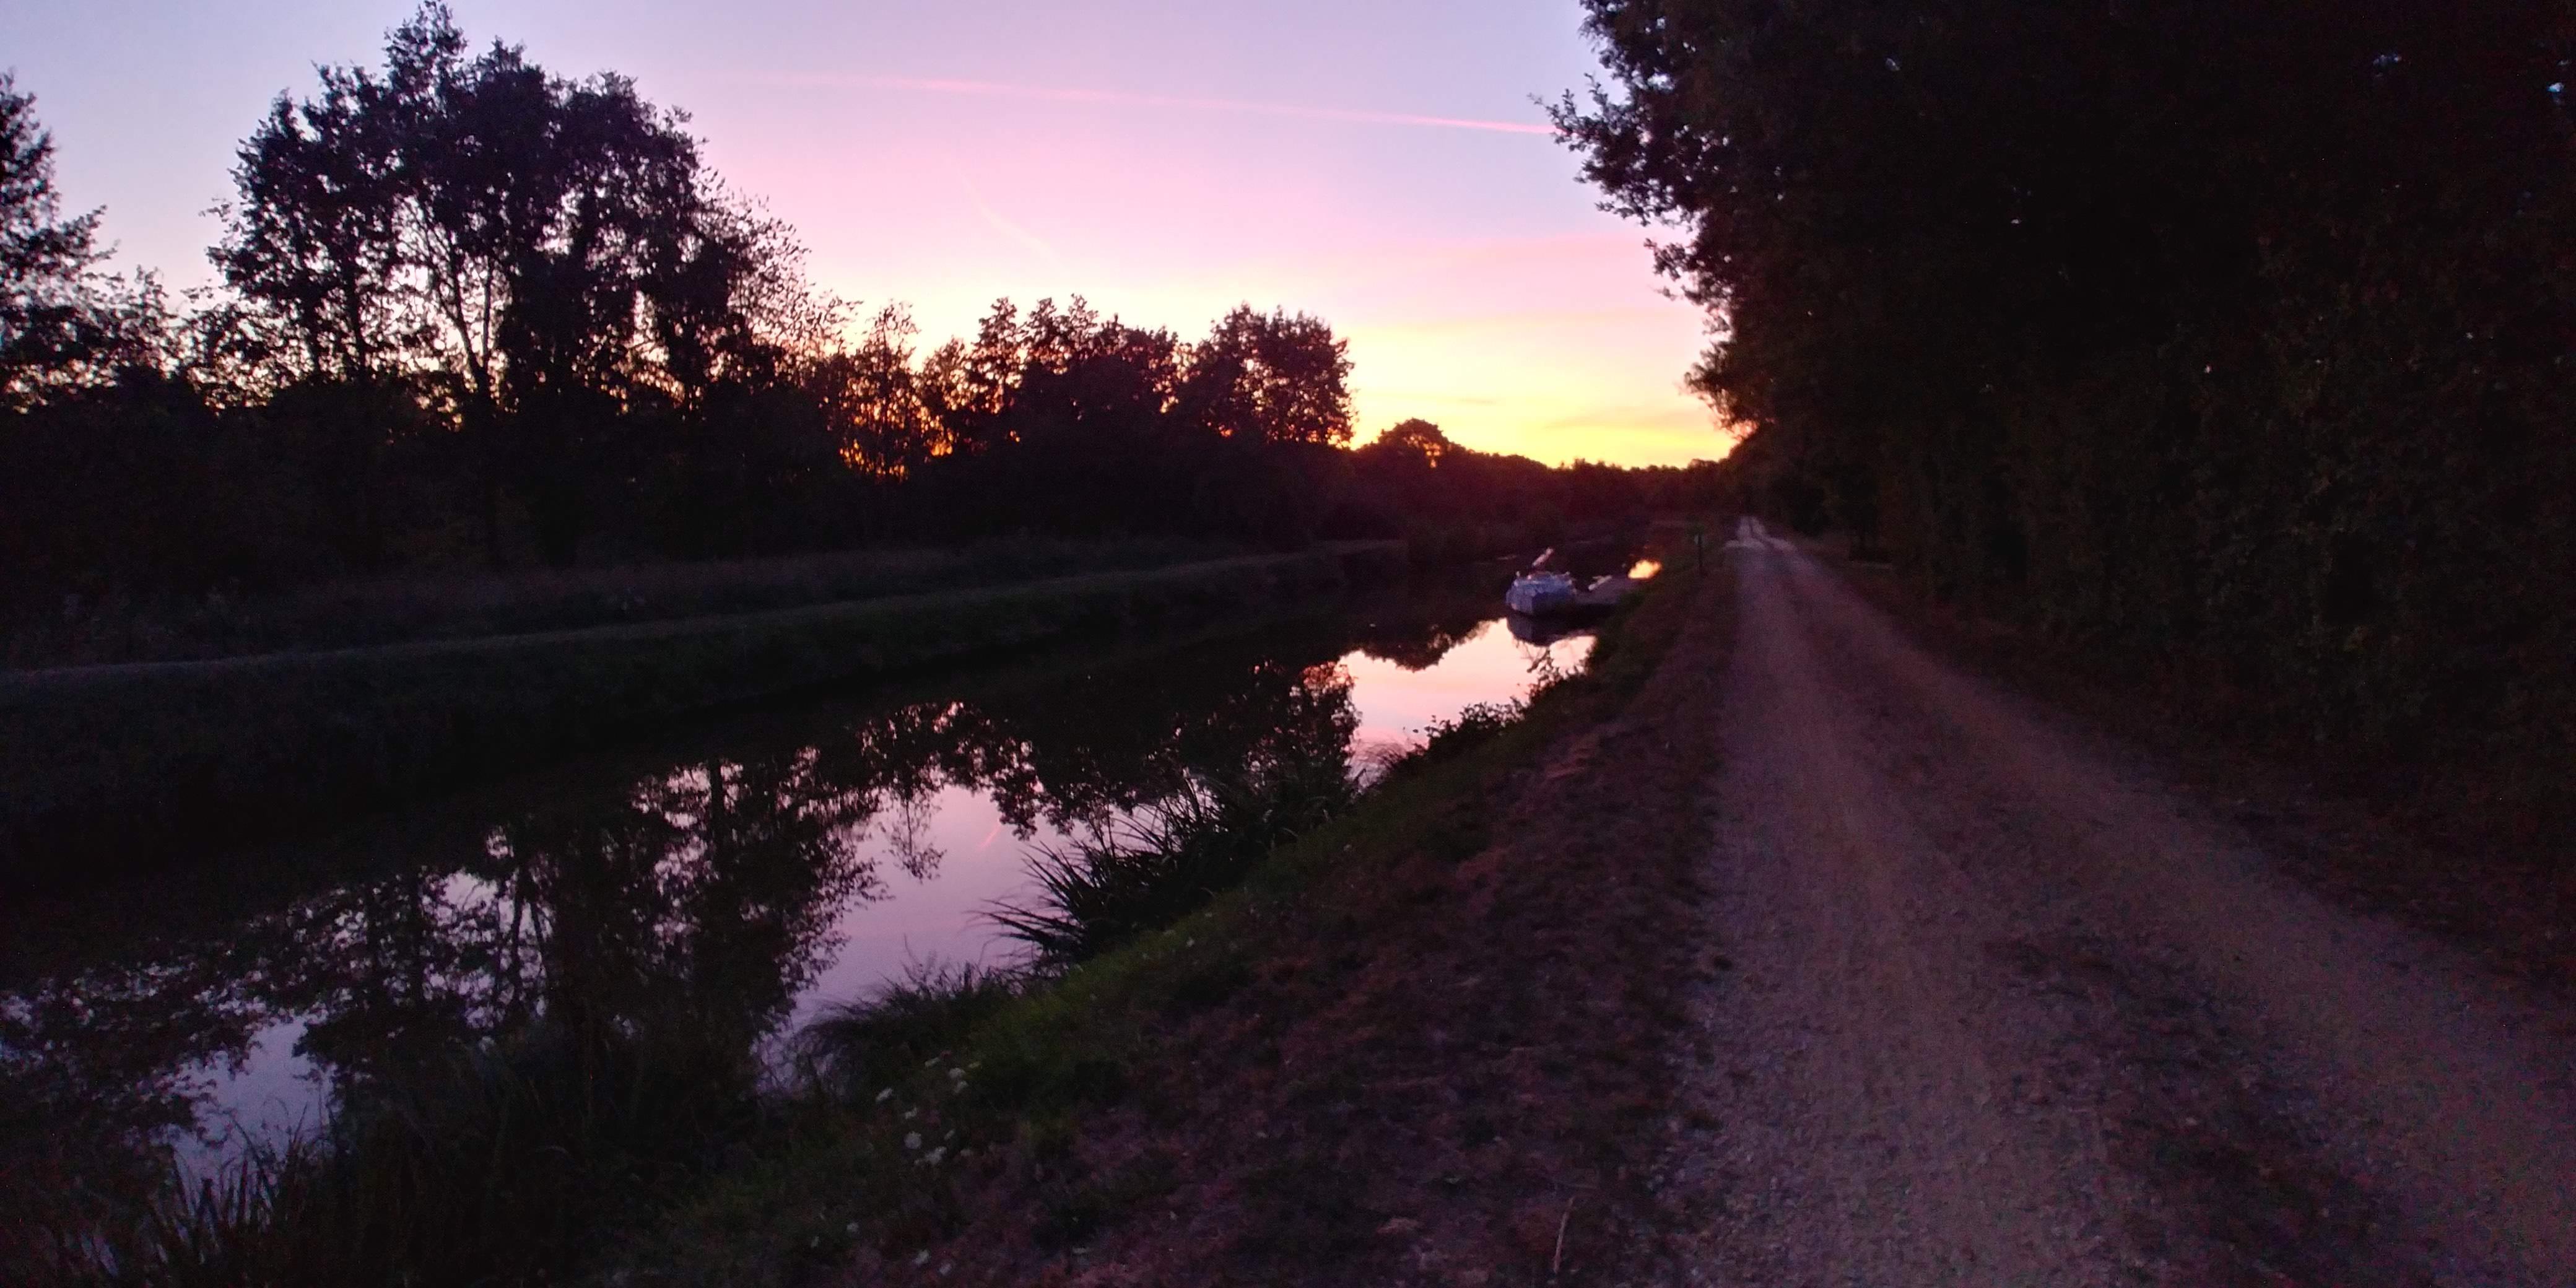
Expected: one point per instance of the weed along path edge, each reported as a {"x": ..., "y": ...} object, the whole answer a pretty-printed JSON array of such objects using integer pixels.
[{"x": 1420, "y": 1045}]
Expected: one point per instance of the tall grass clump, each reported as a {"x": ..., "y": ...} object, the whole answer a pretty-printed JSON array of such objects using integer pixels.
[
  {"x": 857, "y": 1047},
  {"x": 1444, "y": 740},
  {"x": 503, "y": 1163},
  {"x": 1161, "y": 863}
]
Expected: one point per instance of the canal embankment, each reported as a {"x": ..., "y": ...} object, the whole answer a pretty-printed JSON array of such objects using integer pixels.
[{"x": 129, "y": 764}]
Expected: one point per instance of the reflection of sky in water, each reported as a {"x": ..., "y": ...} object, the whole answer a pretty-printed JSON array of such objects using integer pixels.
[
  {"x": 980, "y": 860},
  {"x": 274, "y": 1095},
  {"x": 1396, "y": 705},
  {"x": 947, "y": 854}
]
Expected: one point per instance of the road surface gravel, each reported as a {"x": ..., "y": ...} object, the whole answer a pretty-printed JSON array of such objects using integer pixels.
[{"x": 1997, "y": 1001}]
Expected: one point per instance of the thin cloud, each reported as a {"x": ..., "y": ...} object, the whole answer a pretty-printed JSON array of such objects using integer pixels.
[
  {"x": 1001, "y": 223},
  {"x": 1041, "y": 93},
  {"x": 1015, "y": 232}
]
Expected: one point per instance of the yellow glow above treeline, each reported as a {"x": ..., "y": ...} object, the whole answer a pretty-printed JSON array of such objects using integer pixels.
[
  {"x": 1556, "y": 348},
  {"x": 1555, "y": 387}
]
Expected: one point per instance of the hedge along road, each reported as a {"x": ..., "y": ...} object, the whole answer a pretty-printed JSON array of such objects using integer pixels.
[{"x": 2008, "y": 1006}]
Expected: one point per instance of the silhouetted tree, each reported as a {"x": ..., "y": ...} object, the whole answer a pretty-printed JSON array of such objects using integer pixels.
[
  {"x": 2233, "y": 336},
  {"x": 1281, "y": 377},
  {"x": 1414, "y": 440},
  {"x": 878, "y": 400},
  {"x": 552, "y": 252},
  {"x": 62, "y": 321}
]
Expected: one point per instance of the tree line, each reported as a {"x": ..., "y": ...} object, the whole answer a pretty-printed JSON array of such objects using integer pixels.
[
  {"x": 475, "y": 314},
  {"x": 2228, "y": 338}
]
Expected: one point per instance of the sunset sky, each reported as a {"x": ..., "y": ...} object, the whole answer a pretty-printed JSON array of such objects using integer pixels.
[{"x": 1377, "y": 162}]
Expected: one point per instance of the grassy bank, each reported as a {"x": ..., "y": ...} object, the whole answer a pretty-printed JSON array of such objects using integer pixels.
[{"x": 129, "y": 762}]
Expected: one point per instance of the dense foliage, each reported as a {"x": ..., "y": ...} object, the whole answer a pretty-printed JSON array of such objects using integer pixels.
[
  {"x": 476, "y": 315},
  {"x": 2227, "y": 336}
]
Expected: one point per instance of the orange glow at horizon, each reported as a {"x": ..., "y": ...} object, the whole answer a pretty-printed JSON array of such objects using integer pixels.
[{"x": 1557, "y": 348}]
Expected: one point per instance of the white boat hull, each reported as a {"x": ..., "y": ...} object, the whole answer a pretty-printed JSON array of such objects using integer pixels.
[{"x": 1539, "y": 594}]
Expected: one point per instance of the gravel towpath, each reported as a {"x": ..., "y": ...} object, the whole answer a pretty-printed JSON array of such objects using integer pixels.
[{"x": 2001, "y": 1003}]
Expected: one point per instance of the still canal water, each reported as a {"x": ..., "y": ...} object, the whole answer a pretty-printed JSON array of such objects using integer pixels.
[{"x": 752, "y": 872}]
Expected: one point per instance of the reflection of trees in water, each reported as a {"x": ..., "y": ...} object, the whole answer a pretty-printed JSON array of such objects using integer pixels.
[
  {"x": 96, "y": 1075},
  {"x": 1539, "y": 662},
  {"x": 1418, "y": 646},
  {"x": 703, "y": 894}
]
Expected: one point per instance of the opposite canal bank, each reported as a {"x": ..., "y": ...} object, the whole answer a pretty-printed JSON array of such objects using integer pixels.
[{"x": 128, "y": 763}]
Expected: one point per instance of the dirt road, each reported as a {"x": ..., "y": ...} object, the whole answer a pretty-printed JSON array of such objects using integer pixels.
[{"x": 2003, "y": 1004}]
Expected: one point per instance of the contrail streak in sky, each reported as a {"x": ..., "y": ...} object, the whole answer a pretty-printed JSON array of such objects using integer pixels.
[
  {"x": 996, "y": 89},
  {"x": 1001, "y": 223}
]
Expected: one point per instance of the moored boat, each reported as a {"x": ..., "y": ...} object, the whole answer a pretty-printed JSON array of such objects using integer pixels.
[
  {"x": 1538, "y": 593},
  {"x": 1544, "y": 592}
]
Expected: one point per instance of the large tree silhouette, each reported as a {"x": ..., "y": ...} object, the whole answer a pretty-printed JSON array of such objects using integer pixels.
[
  {"x": 1277, "y": 376},
  {"x": 62, "y": 321},
  {"x": 551, "y": 255},
  {"x": 2229, "y": 335}
]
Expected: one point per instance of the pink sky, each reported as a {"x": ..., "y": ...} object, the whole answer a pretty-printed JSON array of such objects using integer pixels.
[{"x": 1377, "y": 163}]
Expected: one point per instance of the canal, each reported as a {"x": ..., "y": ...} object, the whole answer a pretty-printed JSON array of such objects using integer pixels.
[{"x": 745, "y": 873}]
